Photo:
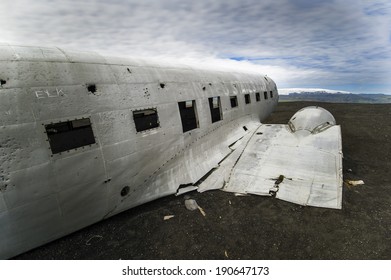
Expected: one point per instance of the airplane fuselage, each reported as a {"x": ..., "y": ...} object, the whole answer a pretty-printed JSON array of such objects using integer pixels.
[{"x": 83, "y": 137}]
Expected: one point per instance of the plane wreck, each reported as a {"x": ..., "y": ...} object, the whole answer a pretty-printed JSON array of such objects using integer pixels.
[{"x": 84, "y": 137}]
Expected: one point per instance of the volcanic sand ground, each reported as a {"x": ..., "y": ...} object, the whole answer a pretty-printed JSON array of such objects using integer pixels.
[{"x": 255, "y": 227}]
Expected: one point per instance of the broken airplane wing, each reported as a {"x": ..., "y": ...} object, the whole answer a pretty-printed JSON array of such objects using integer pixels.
[{"x": 300, "y": 162}]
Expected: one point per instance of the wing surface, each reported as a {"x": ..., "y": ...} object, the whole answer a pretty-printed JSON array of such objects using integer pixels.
[{"x": 300, "y": 162}]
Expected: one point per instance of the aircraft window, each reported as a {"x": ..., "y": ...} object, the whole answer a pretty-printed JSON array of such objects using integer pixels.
[
  {"x": 271, "y": 94},
  {"x": 257, "y": 96},
  {"x": 215, "y": 108},
  {"x": 247, "y": 98},
  {"x": 145, "y": 119},
  {"x": 64, "y": 136},
  {"x": 187, "y": 110},
  {"x": 265, "y": 94},
  {"x": 234, "y": 101}
]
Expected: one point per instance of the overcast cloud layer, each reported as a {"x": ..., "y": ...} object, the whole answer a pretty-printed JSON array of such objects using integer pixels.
[{"x": 340, "y": 44}]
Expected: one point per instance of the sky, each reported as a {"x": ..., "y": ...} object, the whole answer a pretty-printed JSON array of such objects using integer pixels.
[{"x": 333, "y": 44}]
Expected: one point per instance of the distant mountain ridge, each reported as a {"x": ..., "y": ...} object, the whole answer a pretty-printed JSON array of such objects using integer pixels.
[
  {"x": 334, "y": 96},
  {"x": 287, "y": 91}
]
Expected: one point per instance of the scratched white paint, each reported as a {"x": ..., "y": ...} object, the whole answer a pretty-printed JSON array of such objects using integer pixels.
[{"x": 48, "y": 94}]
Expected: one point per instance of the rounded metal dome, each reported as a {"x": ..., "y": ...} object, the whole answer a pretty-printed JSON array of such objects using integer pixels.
[{"x": 313, "y": 119}]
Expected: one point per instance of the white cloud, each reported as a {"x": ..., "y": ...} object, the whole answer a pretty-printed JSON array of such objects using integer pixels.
[{"x": 298, "y": 43}]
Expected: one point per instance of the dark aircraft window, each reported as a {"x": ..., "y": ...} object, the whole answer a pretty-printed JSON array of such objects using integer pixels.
[
  {"x": 271, "y": 94},
  {"x": 187, "y": 110},
  {"x": 145, "y": 119},
  {"x": 247, "y": 98},
  {"x": 265, "y": 94},
  {"x": 69, "y": 135},
  {"x": 215, "y": 111},
  {"x": 234, "y": 101},
  {"x": 257, "y": 96}
]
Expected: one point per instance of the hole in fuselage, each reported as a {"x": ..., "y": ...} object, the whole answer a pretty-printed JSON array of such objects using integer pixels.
[
  {"x": 91, "y": 88},
  {"x": 125, "y": 190}
]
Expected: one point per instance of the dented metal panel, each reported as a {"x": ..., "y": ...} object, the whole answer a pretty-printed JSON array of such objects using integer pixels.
[
  {"x": 3, "y": 207},
  {"x": 7, "y": 53},
  {"x": 19, "y": 225}
]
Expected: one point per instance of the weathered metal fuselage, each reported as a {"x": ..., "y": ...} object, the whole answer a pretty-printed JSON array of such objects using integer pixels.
[{"x": 50, "y": 187}]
